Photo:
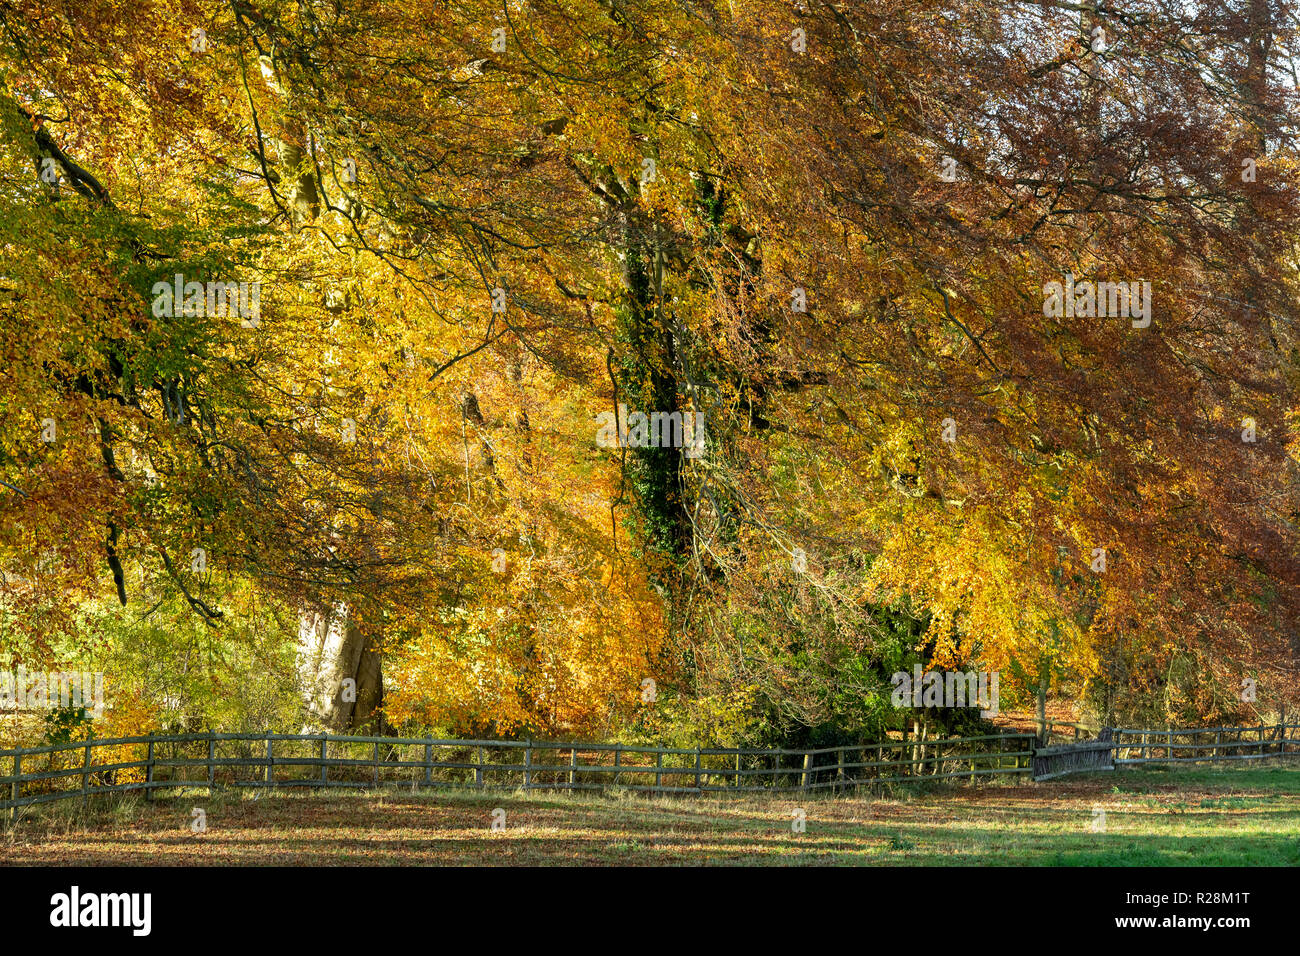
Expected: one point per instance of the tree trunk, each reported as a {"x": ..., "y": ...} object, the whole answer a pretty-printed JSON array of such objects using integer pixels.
[
  {"x": 332, "y": 650},
  {"x": 1042, "y": 703}
]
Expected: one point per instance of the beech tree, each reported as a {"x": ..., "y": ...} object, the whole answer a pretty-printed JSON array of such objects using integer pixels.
[{"x": 985, "y": 310}]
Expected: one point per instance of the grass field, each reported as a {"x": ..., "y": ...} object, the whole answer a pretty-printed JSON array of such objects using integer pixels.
[{"x": 1221, "y": 816}]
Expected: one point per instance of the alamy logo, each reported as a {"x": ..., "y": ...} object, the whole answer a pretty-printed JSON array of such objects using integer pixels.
[
  {"x": 44, "y": 691},
  {"x": 947, "y": 689},
  {"x": 657, "y": 430},
  {"x": 211, "y": 299},
  {"x": 1102, "y": 300},
  {"x": 103, "y": 909}
]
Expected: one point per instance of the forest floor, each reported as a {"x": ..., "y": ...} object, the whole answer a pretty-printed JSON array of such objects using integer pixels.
[{"x": 1215, "y": 816}]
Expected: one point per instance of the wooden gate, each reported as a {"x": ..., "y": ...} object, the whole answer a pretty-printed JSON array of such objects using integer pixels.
[{"x": 1099, "y": 754}]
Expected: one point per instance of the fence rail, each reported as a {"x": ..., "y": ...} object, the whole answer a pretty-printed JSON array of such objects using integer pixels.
[{"x": 84, "y": 768}]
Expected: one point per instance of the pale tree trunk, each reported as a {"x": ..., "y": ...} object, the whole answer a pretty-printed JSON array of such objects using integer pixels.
[
  {"x": 340, "y": 672},
  {"x": 1044, "y": 676},
  {"x": 295, "y": 171}
]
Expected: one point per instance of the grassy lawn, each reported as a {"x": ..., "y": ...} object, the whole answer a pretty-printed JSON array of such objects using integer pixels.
[{"x": 1220, "y": 816}]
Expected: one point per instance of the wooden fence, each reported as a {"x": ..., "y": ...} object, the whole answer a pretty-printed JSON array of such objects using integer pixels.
[
  {"x": 1081, "y": 757},
  {"x": 65, "y": 771},
  {"x": 85, "y": 768},
  {"x": 1204, "y": 744},
  {"x": 1114, "y": 748}
]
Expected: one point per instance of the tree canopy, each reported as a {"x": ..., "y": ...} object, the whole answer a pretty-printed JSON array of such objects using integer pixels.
[{"x": 931, "y": 331}]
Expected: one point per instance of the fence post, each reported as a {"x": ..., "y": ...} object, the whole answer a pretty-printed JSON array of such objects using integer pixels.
[
  {"x": 85, "y": 776},
  {"x": 616, "y": 764},
  {"x": 528, "y": 763},
  {"x": 324, "y": 755},
  {"x": 1170, "y": 750},
  {"x": 1218, "y": 739},
  {"x": 737, "y": 767},
  {"x": 270, "y": 760},
  {"x": 573, "y": 768},
  {"x": 428, "y": 765},
  {"x": 15, "y": 788},
  {"x": 212, "y": 761},
  {"x": 148, "y": 770},
  {"x": 807, "y": 768},
  {"x": 839, "y": 776},
  {"x": 659, "y": 769},
  {"x": 697, "y": 768},
  {"x": 1260, "y": 748},
  {"x": 478, "y": 771}
]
